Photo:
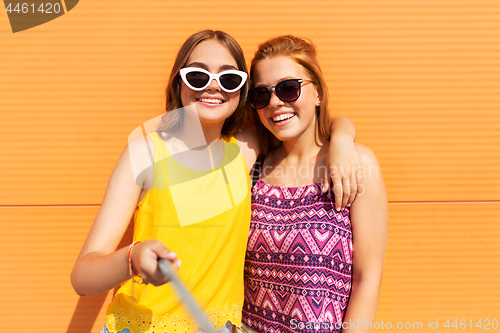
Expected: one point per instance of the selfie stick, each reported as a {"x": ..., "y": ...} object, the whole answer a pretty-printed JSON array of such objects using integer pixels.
[{"x": 186, "y": 297}]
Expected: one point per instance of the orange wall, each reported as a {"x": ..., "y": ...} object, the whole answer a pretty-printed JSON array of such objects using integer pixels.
[{"x": 421, "y": 80}]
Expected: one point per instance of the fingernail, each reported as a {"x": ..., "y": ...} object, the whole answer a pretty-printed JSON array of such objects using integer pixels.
[
  {"x": 358, "y": 195},
  {"x": 338, "y": 209},
  {"x": 349, "y": 205},
  {"x": 179, "y": 263}
]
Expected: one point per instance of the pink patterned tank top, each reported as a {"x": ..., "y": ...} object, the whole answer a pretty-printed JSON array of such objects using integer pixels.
[{"x": 298, "y": 262}]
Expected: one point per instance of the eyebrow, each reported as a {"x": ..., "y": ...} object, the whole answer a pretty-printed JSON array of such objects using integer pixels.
[
  {"x": 204, "y": 66},
  {"x": 280, "y": 80}
]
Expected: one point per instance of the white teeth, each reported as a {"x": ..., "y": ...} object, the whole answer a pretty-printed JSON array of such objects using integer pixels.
[
  {"x": 211, "y": 100},
  {"x": 283, "y": 116}
]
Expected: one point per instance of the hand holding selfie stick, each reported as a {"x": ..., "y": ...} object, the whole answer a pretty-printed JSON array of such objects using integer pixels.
[{"x": 186, "y": 297}]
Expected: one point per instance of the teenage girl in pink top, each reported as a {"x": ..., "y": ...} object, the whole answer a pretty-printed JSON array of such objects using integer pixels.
[{"x": 308, "y": 267}]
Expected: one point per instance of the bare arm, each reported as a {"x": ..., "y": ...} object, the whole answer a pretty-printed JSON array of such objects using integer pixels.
[
  {"x": 343, "y": 124},
  {"x": 99, "y": 266},
  {"x": 343, "y": 157},
  {"x": 343, "y": 162},
  {"x": 249, "y": 146},
  {"x": 369, "y": 218}
]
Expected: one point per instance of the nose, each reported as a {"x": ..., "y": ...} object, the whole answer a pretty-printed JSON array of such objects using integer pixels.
[
  {"x": 275, "y": 100},
  {"x": 214, "y": 85}
]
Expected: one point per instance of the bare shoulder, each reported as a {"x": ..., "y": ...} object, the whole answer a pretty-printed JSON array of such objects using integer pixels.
[
  {"x": 369, "y": 219},
  {"x": 370, "y": 209},
  {"x": 369, "y": 165},
  {"x": 126, "y": 171},
  {"x": 248, "y": 138},
  {"x": 141, "y": 153},
  {"x": 249, "y": 146},
  {"x": 129, "y": 174},
  {"x": 372, "y": 191},
  {"x": 141, "y": 146},
  {"x": 117, "y": 208},
  {"x": 366, "y": 155}
]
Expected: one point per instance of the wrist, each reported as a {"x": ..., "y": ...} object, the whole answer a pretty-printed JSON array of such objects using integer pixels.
[
  {"x": 341, "y": 137},
  {"x": 343, "y": 124},
  {"x": 131, "y": 269}
]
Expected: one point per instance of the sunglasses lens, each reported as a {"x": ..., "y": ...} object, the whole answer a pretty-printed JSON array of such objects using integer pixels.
[
  {"x": 288, "y": 91},
  {"x": 230, "y": 81},
  {"x": 259, "y": 97},
  {"x": 197, "y": 79}
]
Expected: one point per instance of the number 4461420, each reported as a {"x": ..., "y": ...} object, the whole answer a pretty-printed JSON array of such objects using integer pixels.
[
  {"x": 463, "y": 324},
  {"x": 26, "y": 8}
]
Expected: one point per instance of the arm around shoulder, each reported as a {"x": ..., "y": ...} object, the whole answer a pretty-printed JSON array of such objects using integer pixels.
[
  {"x": 342, "y": 162},
  {"x": 249, "y": 146},
  {"x": 344, "y": 125}
]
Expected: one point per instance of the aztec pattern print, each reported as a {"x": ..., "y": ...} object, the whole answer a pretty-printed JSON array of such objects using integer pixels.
[{"x": 298, "y": 263}]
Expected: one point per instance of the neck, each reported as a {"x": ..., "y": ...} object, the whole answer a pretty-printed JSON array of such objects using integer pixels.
[
  {"x": 300, "y": 153},
  {"x": 197, "y": 145},
  {"x": 297, "y": 162},
  {"x": 212, "y": 132},
  {"x": 196, "y": 134},
  {"x": 304, "y": 147}
]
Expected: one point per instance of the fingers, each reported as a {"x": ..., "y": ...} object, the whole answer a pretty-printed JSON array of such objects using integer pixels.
[
  {"x": 338, "y": 189},
  {"x": 325, "y": 183},
  {"x": 145, "y": 261},
  {"x": 338, "y": 192},
  {"x": 361, "y": 188},
  {"x": 346, "y": 187},
  {"x": 353, "y": 189},
  {"x": 172, "y": 257}
]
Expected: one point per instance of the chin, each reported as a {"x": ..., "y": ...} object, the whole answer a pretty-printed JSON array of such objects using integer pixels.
[
  {"x": 286, "y": 135},
  {"x": 281, "y": 136},
  {"x": 210, "y": 117}
]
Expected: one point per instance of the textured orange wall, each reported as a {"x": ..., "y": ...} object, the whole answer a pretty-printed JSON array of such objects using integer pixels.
[{"x": 421, "y": 80}]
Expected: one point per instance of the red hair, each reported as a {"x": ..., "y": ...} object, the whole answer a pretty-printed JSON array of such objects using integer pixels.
[{"x": 303, "y": 52}]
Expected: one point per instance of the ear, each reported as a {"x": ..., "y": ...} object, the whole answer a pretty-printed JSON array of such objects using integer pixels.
[{"x": 318, "y": 100}]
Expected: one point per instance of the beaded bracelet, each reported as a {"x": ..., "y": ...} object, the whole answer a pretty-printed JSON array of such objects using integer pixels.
[{"x": 131, "y": 270}]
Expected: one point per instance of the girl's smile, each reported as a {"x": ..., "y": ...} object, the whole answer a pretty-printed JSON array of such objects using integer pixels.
[
  {"x": 281, "y": 119},
  {"x": 287, "y": 120},
  {"x": 213, "y": 104}
]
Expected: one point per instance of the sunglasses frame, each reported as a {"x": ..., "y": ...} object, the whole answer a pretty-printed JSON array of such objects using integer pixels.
[
  {"x": 299, "y": 81},
  {"x": 186, "y": 70}
]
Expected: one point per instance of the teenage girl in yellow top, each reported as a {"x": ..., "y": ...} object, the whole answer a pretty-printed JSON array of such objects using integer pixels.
[{"x": 209, "y": 234}]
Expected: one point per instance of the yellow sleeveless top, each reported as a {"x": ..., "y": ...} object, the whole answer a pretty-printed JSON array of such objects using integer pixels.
[{"x": 203, "y": 216}]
